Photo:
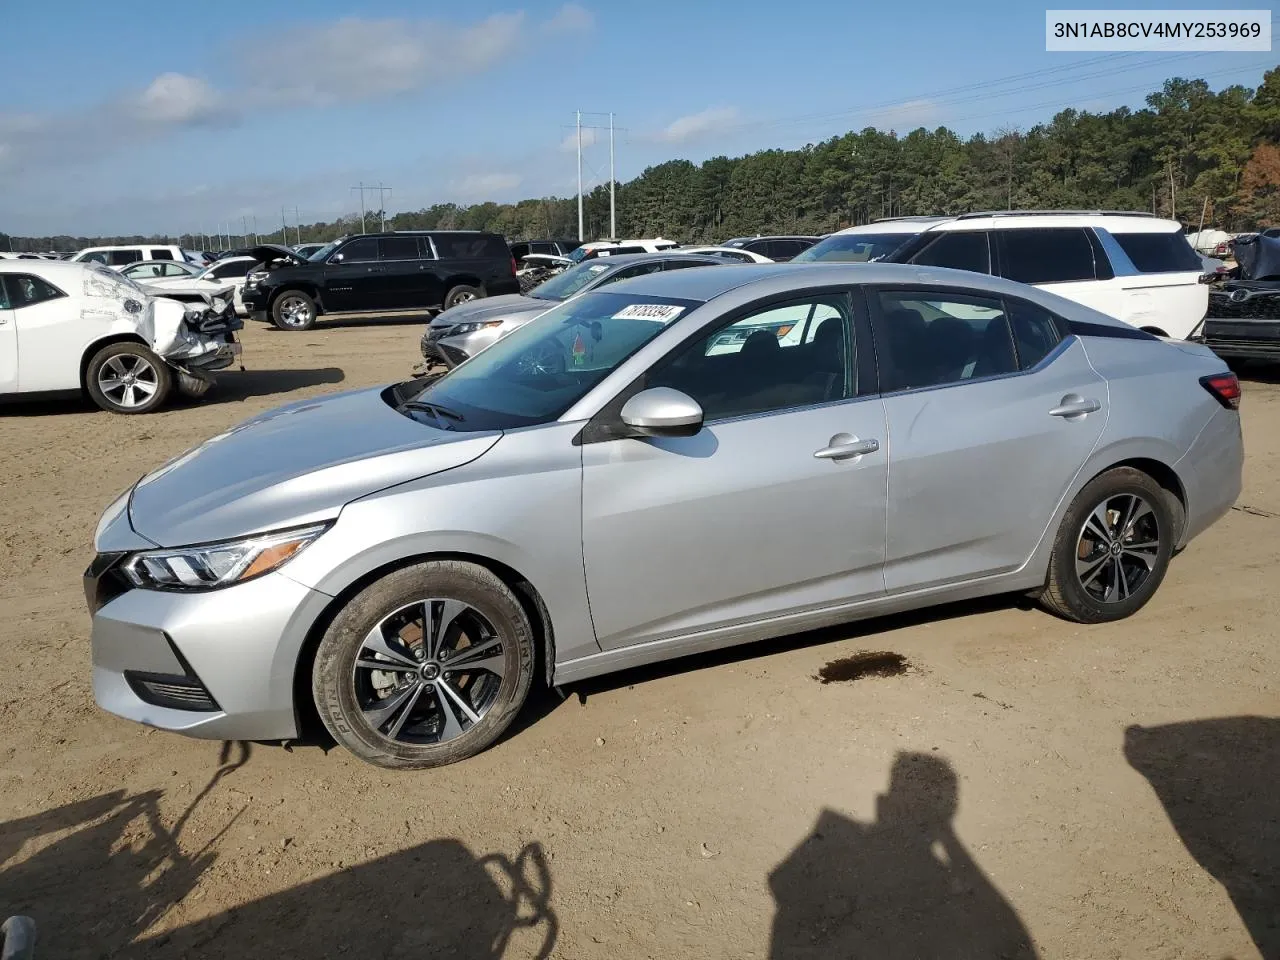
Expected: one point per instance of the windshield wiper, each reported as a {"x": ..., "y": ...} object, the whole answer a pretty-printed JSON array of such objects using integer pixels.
[{"x": 437, "y": 411}]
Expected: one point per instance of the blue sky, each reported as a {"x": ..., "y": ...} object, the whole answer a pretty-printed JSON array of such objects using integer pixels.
[{"x": 171, "y": 118}]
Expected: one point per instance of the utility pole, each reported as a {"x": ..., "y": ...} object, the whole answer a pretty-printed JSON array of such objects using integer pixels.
[
  {"x": 297, "y": 224},
  {"x": 244, "y": 225},
  {"x": 581, "y": 235},
  {"x": 361, "y": 189},
  {"x": 284, "y": 228},
  {"x": 613, "y": 207},
  {"x": 382, "y": 204},
  {"x": 255, "y": 229}
]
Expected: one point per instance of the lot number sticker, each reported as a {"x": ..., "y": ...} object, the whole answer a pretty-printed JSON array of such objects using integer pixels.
[{"x": 661, "y": 312}]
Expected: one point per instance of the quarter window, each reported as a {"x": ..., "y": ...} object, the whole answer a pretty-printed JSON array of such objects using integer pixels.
[
  {"x": 928, "y": 340},
  {"x": 26, "y": 291},
  {"x": 1047, "y": 255},
  {"x": 1035, "y": 332},
  {"x": 785, "y": 356},
  {"x": 959, "y": 250},
  {"x": 1159, "y": 252}
]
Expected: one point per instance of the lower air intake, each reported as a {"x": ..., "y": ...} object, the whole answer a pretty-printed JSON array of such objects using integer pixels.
[{"x": 169, "y": 690}]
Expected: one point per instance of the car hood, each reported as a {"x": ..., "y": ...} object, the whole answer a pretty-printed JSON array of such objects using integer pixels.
[
  {"x": 492, "y": 308},
  {"x": 294, "y": 465},
  {"x": 266, "y": 252}
]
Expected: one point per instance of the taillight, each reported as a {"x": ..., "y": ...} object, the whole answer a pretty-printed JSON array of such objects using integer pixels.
[
  {"x": 513, "y": 266},
  {"x": 1225, "y": 388}
]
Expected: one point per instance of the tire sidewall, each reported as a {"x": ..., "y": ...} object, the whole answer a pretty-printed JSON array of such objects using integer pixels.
[
  {"x": 451, "y": 298},
  {"x": 293, "y": 328},
  {"x": 1112, "y": 484},
  {"x": 334, "y": 691},
  {"x": 164, "y": 377}
]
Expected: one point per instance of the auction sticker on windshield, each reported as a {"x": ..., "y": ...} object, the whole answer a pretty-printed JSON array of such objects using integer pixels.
[{"x": 661, "y": 312}]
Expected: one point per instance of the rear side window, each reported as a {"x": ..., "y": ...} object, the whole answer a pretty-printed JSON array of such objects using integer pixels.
[
  {"x": 162, "y": 255},
  {"x": 470, "y": 246},
  {"x": 122, "y": 258},
  {"x": 1159, "y": 252},
  {"x": 1035, "y": 332},
  {"x": 959, "y": 250},
  {"x": 1046, "y": 255},
  {"x": 400, "y": 248},
  {"x": 232, "y": 270},
  {"x": 927, "y": 339}
]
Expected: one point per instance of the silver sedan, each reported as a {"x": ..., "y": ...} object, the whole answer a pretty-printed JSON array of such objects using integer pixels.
[{"x": 681, "y": 462}]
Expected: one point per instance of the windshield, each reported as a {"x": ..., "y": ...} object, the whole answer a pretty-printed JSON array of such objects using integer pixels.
[
  {"x": 545, "y": 367},
  {"x": 323, "y": 252},
  {"x": 564, "y": 285},
  {"x": 577, "y": 256},
  {"x": 853, "y": 248}
]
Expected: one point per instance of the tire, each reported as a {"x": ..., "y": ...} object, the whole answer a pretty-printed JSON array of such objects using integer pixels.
[
  {"x": 293, "y": 310},
  {"x": 461, "y": 294},
  {"x": 1097, "y": 573},
  {"x": 397, "y": 718},
  {"x": 128, "y": 378}
]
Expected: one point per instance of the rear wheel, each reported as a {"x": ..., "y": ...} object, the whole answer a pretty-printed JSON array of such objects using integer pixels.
[
  {"x": 461, "y": 294},
  {"x": 426, "y": 666},
  {"x": 128, "y": 378},
  {"x": 1112, "y": 549},
  {"x": 294, "y": 310}
]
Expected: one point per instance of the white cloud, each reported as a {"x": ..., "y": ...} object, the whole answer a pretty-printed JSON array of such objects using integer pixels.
[
  {"x": 698, "y": 125},
  {"x": 177, "y": 99},
  {"x": 570, "y": 18},
  {"x": 485, "y": 186},
  {"x": 358, "y": 59},
  {"x": 570, "y": 143}
]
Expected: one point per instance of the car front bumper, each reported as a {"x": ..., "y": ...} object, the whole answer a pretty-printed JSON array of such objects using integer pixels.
[
  {"x": 217, "y": 664},
  {"x": 440, "y": 346}
]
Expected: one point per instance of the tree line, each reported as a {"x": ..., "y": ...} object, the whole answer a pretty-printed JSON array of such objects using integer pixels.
[{"x": 1190, "y": 153}]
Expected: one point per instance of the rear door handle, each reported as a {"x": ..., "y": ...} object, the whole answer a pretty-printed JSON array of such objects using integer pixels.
[
  {"x": 843, "y": 446},
  {"x": 1073, "y": 407}
]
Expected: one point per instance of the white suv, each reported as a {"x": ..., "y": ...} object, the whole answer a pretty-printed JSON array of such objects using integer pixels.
[
  {"x": 1132, "y": 266},
  {"x": 608, "y": 248},
  {"x": 119, "y": 257}
]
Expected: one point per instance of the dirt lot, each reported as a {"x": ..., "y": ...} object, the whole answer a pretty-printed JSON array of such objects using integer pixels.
[{"x": 1027, "y": 787}]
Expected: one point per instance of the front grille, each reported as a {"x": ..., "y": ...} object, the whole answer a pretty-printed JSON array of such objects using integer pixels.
[
  {"x": 170, "y": 690},
  {"x": 1251, "y": 306}
]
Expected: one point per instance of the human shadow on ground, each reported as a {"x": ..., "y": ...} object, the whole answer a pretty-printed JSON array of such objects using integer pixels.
[
  {"x": 900, "y": 888},
  {"x": 1219, "y": 782},
  {"x": 433, "y": 900},
  {"x": 113, "y": 870}
]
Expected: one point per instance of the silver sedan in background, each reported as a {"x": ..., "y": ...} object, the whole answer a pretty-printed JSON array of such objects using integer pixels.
[
  {"x": 456, "y": 334},
  {"x": 626, "y": 480}
]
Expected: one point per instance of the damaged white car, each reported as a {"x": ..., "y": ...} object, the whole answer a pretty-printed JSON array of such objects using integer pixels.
[{"x": 80, "y": 327}]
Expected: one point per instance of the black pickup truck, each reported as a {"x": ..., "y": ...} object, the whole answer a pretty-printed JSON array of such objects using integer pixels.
[
  {"x": 378, "y": 273},
  {"x": 1243, "y": 321}
]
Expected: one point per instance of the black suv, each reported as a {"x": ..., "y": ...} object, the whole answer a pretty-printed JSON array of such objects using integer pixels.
[{"x": 379, "y": 273}]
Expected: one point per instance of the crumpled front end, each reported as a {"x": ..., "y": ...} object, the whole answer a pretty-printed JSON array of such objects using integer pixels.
[{"x": 195, "y": 339}]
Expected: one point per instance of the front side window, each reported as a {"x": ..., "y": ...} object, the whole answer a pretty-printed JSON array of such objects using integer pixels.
[
  {"x": 959, "y": 250},
  {"x": 627, "y": 273},
  {"x": 777, "y": 358},
  {"x": 232, "y": 270},
  {"x": 926, "y": 339},
  {"x": 852, "y": 248},
  {"x": 25, "y": 290},
  {"x": 360, "y": 251},
  {"x": 1047, "y": 255},
  {"x": 546, "y": 366}
]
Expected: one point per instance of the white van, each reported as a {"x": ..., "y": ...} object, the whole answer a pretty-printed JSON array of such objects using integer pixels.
[
  {"x": 122, "y": 256},
  {"x": 1132, "y": 266}
]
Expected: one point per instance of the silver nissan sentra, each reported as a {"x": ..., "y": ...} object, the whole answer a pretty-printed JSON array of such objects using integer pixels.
[{"x": 683, "y": 461}]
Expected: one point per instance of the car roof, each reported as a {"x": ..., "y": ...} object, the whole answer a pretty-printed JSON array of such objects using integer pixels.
[
  {"x": 49, "y": 268},
  {"x": 623, "y": 259},
  {"x": 772, "y": 279},
  {"x": 1115, "y": 220}
]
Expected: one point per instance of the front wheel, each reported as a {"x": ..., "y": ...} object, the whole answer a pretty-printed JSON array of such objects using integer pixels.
[
  {"x": 1112, "y": 549},
  {"x": 294, "y": 310},
  {"x": 424, "y": 667},
  {"x": 461, "y": 294},
  {"x": 128, "y": 378}
]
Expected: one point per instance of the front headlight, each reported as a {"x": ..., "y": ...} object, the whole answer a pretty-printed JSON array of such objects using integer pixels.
[
  {"x": 465, "y": 328},
  {"x": 214, "y": 565},
  {"x": 254, "y": 277}
]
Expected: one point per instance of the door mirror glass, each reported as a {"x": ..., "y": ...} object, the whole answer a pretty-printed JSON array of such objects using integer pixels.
[
  {"x": 662, "y": 412},
  {"x": 336, "y": 258}
]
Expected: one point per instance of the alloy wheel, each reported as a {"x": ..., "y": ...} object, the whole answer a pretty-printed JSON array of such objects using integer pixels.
[
  {"x": 1118, "y": 548},
  {"x": 429, "y": 672},
  {"x": 128, "y": 380},
  {"x": 295, "y": 312}
]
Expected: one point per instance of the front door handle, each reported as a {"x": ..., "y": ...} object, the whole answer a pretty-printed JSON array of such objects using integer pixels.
[
  {"x": 843, "y": 446},
  {"x": 1073, "y": 407}
]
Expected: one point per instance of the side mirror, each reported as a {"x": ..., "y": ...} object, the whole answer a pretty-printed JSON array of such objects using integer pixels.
[
  {"x": 662, "y": 412},
  {"x": 336, "y": 258}
]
